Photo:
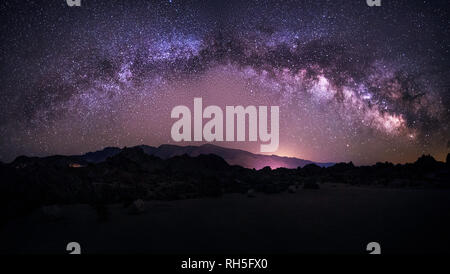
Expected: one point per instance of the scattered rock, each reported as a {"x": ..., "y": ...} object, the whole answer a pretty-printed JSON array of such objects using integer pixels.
[
  {"x": 137, "y": 207},
  {"x": 292, "y": 189},
  {"x": 311, "y": 185},
  {"x": 397, "y": 183},
  {"x": 251, "y": 193},
  {"x": 51, "y": 212}
]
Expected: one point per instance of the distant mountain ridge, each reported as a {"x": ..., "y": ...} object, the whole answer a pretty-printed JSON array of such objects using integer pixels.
[{"x": 231, "y": 156}]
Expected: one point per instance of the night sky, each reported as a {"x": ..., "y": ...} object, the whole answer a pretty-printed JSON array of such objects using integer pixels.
[{"x": 353, "y": 83}]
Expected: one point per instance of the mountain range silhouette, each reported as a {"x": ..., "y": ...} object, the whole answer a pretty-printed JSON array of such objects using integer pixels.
[{"x": 231, "y": 156}]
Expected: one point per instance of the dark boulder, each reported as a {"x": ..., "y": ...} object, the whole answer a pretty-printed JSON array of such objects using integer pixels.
[
  {"x": 311, "y": 184},
  {"x": 426, "y": 162}
]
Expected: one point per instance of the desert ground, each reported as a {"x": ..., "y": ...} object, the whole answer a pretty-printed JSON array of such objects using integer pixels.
[{"x": 336, "y": 218}]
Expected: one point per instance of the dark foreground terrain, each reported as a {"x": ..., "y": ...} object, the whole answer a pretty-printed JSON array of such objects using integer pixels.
[
  {"x": 133, "y": 202},
  {"x": 334, "y": 219}
]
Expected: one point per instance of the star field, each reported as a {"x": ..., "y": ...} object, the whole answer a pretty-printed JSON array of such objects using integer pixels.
[{"x": 353, "y": 83}]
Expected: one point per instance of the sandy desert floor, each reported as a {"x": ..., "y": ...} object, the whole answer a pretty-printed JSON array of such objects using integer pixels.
[{"x": 333, "y": 219}]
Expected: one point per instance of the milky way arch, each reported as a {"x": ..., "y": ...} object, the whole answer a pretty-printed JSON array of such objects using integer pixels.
[{"x": 352, "y": 82}]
